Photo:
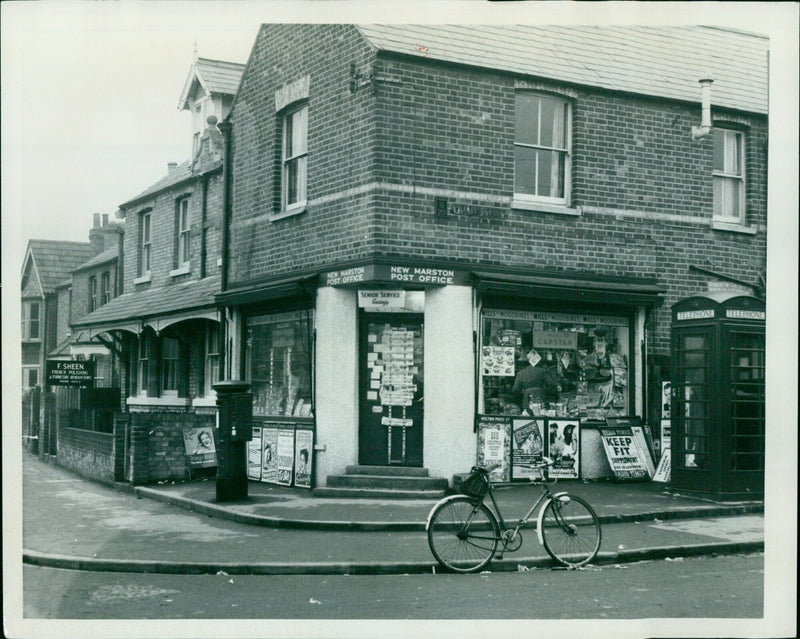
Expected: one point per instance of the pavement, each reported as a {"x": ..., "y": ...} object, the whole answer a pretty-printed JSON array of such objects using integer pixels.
[{"x": 70, "y": 522}]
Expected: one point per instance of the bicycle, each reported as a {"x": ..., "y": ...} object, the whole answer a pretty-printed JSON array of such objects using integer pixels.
[{"x": 464, "y": 533}]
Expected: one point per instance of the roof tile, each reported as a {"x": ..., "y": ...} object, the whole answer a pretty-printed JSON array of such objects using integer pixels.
[{"x": 55, "y": 260}]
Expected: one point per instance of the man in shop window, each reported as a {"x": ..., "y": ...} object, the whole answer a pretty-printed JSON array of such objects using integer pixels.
[
  {"x": 537, "y": 382},
  {"x": 599, "y": 369}
]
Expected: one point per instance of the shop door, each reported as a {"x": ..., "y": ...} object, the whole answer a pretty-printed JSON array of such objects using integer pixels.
[
  {"x": 390, "y": 389},
  {"x": 743, "y": 444},
  {"x": 693, "y": 442}
]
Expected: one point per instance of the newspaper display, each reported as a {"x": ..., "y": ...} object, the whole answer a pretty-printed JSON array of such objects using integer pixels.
[
  {"x": 623, "y": 454},
  {"x": 527, "y": 447},
  {"x": 254, "y": 455},
  {"x": 494, "y": 444},
  {"x": 304, "y": 445}
]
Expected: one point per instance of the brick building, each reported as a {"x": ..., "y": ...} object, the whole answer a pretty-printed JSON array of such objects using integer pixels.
[
  {"x": 165, "y": 326},
  {"x": 440, "y": 204}
]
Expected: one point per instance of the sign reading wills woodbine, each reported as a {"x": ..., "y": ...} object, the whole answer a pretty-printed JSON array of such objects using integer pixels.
[{"x": 70, "y": 373}]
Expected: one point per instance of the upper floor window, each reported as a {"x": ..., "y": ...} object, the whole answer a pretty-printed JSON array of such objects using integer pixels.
[
  {"x": 30, "y": 376},
  {"x": 144, "y": 246},
  {"x": 183, "y": 232},
  {"x": 729, "y": 175},
  {"x": 30, "y": 320},
  {"x": 92, "y": 293},
  {"x": 295, "y": 150},
  {"x": 541, "y": 148},
  {"x": 106, "y": 287}
]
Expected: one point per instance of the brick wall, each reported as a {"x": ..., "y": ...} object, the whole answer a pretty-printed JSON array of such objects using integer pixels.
[
  {"x": 157, "y": 440},
  {"x": 80, "y": 287},
  {"x": 88, "y": 453},
  {"x": 428, "y": 129}
]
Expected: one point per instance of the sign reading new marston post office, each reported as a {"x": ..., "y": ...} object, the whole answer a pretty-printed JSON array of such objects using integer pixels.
[{"x": 69, "y": 373}]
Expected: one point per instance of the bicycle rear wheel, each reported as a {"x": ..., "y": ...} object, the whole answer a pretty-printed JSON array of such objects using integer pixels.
[
  {"x": 570, "y": 530},
  {"x": 463, "y": 534}
]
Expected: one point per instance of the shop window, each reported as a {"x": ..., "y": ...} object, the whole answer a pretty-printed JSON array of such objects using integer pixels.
[
  {"x": 144, "y": 244},
  {"x": 541, "y": 148},
  {"x": 182, "y": 232},
  {"x": 30, "y": 320},
  {"x": 106, "y": 287},
  {"x": 278, "y": 361},
  {"x": 554, "y": 364},
  {"x": 294, "y": 156},
  {"x": 211, "y": 368},
  {"x": 729, "y": 176},
  {"x": 92, "y": 293}
]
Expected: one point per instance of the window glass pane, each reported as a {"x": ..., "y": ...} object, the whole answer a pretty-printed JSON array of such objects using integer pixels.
[
  {"x": 553, "y": 121},
  {"x": 550, "y": 179},
  {"x": 34, "y": 310},
  {"x": 526, "y": 119},
  {"x": 525, "y": 170},
  {"x": 299, "y": 131},
  {"x": 719, "y": 150},
  {"x": 170, "y": 364},
  {"x": 732, "y": 152}
]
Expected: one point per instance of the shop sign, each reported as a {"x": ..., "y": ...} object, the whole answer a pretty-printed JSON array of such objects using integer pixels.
[
  {"x": 422, "y": 275},
  {"x": 623, "y": 454},
  {"x": 555, "y": 340},
  {"x": 706, "y": 313},
  {"x": 381, "y": 298},
  {"x": 556, "y": 318},
  {"x": 70, "y": 373}
]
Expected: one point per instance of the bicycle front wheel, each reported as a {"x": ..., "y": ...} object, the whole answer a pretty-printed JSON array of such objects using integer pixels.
[
  {"x": 463, "y": 534},
  {"x": 570, "y": 530}
]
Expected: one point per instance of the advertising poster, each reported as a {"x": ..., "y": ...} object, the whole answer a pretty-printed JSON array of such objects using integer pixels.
[
  {"x": 199, "y": 445},
  {"x": 254, "y": 455},
  {"x": 563, "y": 447},
  {"x": 269, "y": 455},
  {"x": 642, "y": 442},
  {"x": 304, "y": 444},
  {"x": 666, "y": 435},
  {"x": 664, "y": 470},
  {"x": 285, "y": 455},
  {"x": 623, "y": 454},
  {"x": 527, "y": 447},
  {"x": 498, "y": 360},
  {"x": 666, "y": 399},
  {"x": 494, "y": 445}
]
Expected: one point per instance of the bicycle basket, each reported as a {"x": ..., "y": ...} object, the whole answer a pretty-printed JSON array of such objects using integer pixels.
[{"x": 474, "y": 485}]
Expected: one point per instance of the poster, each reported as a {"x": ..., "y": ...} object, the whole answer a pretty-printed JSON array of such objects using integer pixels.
[
  {"x": 285, "y": 456},
  {"x": 269, "y": 455},
  {"x": 199, "y": 445},
  {"x": 666, "y": 400},
  {"x": 304, "y": 445},
  {"x": 623, "y": 454},
  {"x": 527, "y": 447},
  {"x": 498, "y": 361},
  {"x": 494, "y": 445},
  {"x": 563, "y": 447},
  {"x": 254, "y": 455},
  {"x": 642, "y": 442},
  {"x": 664, "y": 470},
  {"x": 666, "y": 435}
]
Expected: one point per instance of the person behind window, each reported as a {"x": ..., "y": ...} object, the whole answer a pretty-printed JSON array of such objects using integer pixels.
[
  {"x": 536, "y": 382},
  {"x": 599, "y": 369}
]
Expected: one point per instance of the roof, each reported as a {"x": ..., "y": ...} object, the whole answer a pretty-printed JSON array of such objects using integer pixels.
[
  {"x": 178, "y": 174},
  {"x": 654, "y": 61},
  {"x": 215, "y": 76},
  {"x": 162, "y": 300},
  {"x": 55, "y": 260},
  {"x": 108, "y": 255}
]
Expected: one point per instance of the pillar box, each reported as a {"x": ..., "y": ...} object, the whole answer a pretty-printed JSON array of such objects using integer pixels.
[{"x": 234, "y": 430}]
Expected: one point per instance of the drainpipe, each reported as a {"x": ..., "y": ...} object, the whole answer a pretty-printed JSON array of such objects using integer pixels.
[
  {"x": 699, "y": 132},
  {"x": 203, "y": 216},
  {"x": 225, "y": 128}
]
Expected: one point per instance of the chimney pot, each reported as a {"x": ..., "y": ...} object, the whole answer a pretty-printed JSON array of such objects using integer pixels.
[
  {"x": 105, "y": 219},
  {"x": 96, "y": 220}
]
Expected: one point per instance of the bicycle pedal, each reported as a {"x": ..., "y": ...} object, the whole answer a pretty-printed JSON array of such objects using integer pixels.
[{"x": 498, "y": 555}]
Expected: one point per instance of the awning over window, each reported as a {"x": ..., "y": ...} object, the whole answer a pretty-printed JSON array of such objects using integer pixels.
[
  {"x": 155, "y": 307},
  {"x": 298, "y": 286},
  {"x": 572, "y": 288}
]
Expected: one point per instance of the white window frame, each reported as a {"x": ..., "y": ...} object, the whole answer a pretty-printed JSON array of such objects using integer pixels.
[
  {"x": 92, "y": 293},
  {"x": 27, "y": 322},
  {"x": 294, "y": 155},
  {"x": 142, "y": 364},
  {"x": 163, "y": 363},
  {"x": 184, "y": 224},
  {"x": 727, "y": 175},
  {"x": 528, "y": 198},
  {"x": 26, "y": 376},
  {"x": 145, "y": 246},
  {"x": 106, "y": 287},
  {"x": 211, "y": 363}
]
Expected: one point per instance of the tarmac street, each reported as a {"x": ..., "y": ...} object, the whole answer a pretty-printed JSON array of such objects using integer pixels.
[{"x": 69, "y": 522}]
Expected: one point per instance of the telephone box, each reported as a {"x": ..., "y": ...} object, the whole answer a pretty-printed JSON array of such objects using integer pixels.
[{"x": 717, "y": 407}]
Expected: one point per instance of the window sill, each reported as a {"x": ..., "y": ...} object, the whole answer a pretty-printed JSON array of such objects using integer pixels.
[
  {"x": 546, "y": 207},
  {"x": 141, "y": 400},
  {"x": 295, "y": 209},
  {"x": 183, "y": 270},
  {"x": 209, "y": 401},
  {"x": 144, "y": 279},
  {"x": 719, "y": 225}
]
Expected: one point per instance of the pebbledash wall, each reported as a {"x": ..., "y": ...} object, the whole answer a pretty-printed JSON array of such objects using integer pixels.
[{"x": 390, "y": 133}]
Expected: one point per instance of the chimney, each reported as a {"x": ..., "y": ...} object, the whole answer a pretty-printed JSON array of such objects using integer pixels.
[
  {"x": 96, "y": 220},
  {"x": 105, "y": 219},
  {"x": 171, "y": 166}
]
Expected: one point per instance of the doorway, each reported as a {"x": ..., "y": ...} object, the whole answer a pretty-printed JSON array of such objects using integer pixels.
[{"x": 390, "y": 389}]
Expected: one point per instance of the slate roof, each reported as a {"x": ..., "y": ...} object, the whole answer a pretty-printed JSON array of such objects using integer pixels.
[
  {"x": 655, "y": 61},
  {"x": 219, "y": 76},
  {"x": 101, "y": 258},
  {"x": 55, "y": 260},
  {"x": 162, "y": 300},
  {"x": 178, "y": 174}
]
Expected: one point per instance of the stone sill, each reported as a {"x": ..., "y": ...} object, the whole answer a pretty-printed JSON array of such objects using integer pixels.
[
  {"x": 183, "y": 270},
  {"x": 719, "y": 225},
  {"x": 144, "y": 279},
  {"x": 142, "y": 400},
  {"x": 546, "y": 207},
  {"x": 295, "y": 209}
]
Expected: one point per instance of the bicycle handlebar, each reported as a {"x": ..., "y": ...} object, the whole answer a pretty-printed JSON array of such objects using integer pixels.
[{"x": 545, "y": 463}]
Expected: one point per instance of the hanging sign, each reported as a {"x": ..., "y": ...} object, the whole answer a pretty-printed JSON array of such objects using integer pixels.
[
  {"x": 70, "y": 372},
  {"x": 381, "y": 298},
  {"x": 623, "y": 454}
]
